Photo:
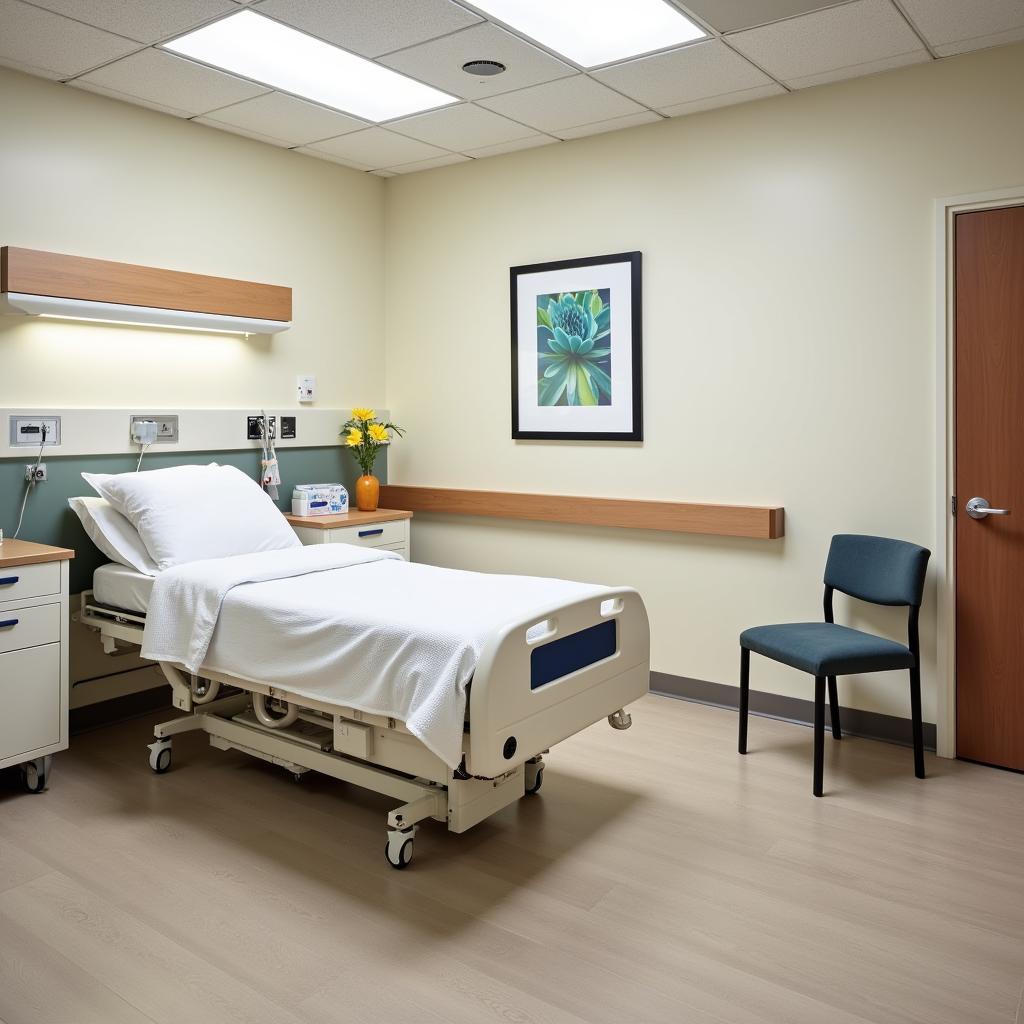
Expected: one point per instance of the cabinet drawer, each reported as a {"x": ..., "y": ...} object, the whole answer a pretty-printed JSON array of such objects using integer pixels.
[
  {"x": 29, "y": 581},
  {"x": 375, "y": 535},
  {"x": 30, "y": 697},
  {"x": 29, "y": 627}
]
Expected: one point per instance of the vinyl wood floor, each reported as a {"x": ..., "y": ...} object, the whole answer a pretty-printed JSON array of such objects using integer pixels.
[{"x": 658, "y": 878}]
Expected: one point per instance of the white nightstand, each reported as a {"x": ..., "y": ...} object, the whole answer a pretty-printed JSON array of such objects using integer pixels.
[
  {"x": 386, "y": 528},
  {"x": 34, "y": 681}
]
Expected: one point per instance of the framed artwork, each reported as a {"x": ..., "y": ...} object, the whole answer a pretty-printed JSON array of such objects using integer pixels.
[{"x": 576, "y": 350}]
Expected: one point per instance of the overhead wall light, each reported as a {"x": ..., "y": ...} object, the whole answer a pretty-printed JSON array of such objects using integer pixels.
[
  {"x": 281, "y": 57},
  {"x": 593, "y": 32},
  {"x": 53, "y": 285}
]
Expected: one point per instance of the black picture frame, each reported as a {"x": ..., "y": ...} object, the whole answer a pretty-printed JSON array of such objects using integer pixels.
[{"x": 636, "y": 431}]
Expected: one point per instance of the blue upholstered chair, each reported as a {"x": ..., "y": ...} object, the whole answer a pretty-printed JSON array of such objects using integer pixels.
[{"x": 874, "y": 569}]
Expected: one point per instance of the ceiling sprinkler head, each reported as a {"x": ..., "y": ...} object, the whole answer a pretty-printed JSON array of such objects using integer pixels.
[{"x": 483, "y": 68}]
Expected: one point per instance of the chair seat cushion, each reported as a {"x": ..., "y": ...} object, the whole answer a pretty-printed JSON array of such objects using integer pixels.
[{"x": 826, "y": 649}]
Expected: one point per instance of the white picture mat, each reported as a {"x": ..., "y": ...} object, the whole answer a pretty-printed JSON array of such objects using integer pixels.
[{"x": 614, "y": 418}]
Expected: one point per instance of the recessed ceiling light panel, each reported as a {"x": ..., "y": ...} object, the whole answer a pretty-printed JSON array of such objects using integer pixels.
[
  {"x": 280, "y": 57},
  {"x": 592, "y": 32}
]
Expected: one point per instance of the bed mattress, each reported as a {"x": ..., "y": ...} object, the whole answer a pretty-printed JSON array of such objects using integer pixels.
[{"x": 120, "y": 586}]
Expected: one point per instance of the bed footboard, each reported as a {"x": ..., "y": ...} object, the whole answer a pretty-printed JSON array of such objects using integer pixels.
[{"x": 547, "y": 677}]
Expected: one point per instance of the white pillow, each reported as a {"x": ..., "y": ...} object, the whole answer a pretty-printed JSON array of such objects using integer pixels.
[
  {"x": 113, "y": 534},
  {"x": 187, "y": 513}
]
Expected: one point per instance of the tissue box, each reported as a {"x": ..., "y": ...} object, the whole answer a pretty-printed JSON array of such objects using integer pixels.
[{"x": 319, "y": 500}]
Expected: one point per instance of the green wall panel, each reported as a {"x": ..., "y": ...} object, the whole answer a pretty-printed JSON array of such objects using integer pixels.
[{"x": 49, "y": 520}]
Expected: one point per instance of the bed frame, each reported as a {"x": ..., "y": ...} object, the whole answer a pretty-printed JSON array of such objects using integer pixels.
[{"x": 538, "y": 682}]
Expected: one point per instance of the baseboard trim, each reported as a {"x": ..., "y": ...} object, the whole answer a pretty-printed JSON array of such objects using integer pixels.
[{"x": 869, "y": 724}]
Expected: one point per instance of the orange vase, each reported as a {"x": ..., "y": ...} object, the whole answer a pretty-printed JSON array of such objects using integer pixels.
[{"x": 367, "y": 493}]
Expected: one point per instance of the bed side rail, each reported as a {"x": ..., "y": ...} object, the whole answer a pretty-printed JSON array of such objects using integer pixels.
[{"x": 548, "y": 676}]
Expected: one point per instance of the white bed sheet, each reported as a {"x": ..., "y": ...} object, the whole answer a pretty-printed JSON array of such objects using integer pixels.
[
  {"x": 388, "y": 637},
  {"x": 121, "y": 586}
]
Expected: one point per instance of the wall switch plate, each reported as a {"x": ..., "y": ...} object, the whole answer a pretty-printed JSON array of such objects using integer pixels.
[
  {"x": 34, "y": 472},
  {"x": 307, "y": 389},
  {"x": 287, "y": 427},
  {"x": 27, "y": 431},
  {"x": 166, "y": 426},
  {"x": 252, "y": 429}
]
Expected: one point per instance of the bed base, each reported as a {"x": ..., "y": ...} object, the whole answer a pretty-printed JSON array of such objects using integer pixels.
[{"x": 514, "y": 718}]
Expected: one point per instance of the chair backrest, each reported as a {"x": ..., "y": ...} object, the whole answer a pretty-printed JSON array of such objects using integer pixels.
[{"x": 877, "y": 569}]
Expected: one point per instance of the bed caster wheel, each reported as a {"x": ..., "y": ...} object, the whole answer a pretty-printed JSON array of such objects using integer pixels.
[
  {"x": 620, "y": 719},
  {"x": 35, "y": 774},
  {"x": 160, "y": 757},
  {"x": 534, "y": 776},
  {"x": 398, "y": 848}
]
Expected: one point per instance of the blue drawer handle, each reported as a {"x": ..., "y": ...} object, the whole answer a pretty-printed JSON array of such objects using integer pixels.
[
  {"x": 8, "y": 622},
  {"x": 9, "y": 580},
  {"x": 371, "y": 533}
]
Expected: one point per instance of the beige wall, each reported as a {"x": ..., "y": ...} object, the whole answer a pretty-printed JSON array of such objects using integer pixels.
[
  {"x": 789, "y": 342},
  {"x": 87, "y": 175}
]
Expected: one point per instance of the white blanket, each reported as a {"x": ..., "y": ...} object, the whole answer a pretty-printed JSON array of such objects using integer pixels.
[{"x": 346, "y": 625}]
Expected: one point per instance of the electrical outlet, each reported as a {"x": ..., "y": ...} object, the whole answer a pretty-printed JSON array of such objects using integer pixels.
[
  {"x": 27, "y": 431},
  {"x": 34, "y": 472},
  {"x": 166, "y": 426}
]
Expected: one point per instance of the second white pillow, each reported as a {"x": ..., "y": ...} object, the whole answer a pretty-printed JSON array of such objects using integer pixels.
[{"x": 186, "y": 513}]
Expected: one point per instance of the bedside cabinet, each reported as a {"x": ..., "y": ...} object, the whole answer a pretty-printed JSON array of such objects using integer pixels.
[
  {"x": 386, "y": 528},
  {"x": 34, "y": 680}
]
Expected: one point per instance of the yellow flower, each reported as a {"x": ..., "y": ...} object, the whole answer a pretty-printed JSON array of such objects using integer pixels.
[
  {"x": 355, "y": 437},
  {"x": 363, "y": 414},
  {"x": 378, "y": 432}
]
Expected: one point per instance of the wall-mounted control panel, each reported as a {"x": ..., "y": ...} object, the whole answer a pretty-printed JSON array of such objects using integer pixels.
[
  {"x": 166, "y": 426},
  {"x": 253, "y": 429},
  {"x": 306, "y": 388},
  {"x": 27, "y": 431},
  {"x": 287, "y": 427}
]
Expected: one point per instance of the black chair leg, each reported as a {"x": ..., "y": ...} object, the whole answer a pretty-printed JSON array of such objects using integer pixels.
[
  {"x": 744, "y": 697},
  {"x": 915, "y": 717},
  {"x": 819, "y": 734},
  {"x": 833, "y": 707}
]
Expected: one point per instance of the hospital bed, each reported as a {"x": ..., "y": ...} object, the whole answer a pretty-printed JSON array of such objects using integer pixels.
[{"x": 538, "y": 679}]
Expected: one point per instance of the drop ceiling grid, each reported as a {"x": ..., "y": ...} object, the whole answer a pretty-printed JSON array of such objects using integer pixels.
[{"x": 462, "y": 19}]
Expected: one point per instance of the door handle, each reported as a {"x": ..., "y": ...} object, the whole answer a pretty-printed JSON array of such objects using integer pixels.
[{"x": 979, "y": 508}]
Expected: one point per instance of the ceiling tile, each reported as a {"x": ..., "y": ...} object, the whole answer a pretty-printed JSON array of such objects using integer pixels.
[
  {"x": 377, "y": 147},
  {"x": 462, "y": 127},
  {"x": 562, "y": 104},
  {"x": 952, "y": 26},
  {"x": 163, "y": 78},
  {"x": 294, "y": 121},
  {"x": 371, "y": 27},
  {"x": 760, "y": 92},
  {"x": 859, "y": 70},
  {"x": 46, "y": 44},
  {"x": 611, "y": 125},
  {"x": 841, "y": 42},
  {"x": 163, "y": 108},
  {"x": 235, "y": 130},
  {"x": 426, "y": 165},
  {"x": 146, "y": 22},
  {"x": 732, "y": 15},
  {"x": 439, "y": 62},
  {"x": 681, "y": 76},
  {"x": 530, "y": 142},
  {"x": 332, "y": 158}
]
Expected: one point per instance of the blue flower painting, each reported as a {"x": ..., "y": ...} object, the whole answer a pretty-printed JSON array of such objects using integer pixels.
[{"x": 574, "y": 348}]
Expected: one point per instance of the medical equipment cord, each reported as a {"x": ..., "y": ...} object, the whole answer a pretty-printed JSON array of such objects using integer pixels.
[
  {"x": 30, "y": 483},
  {"x": 143, "y": 448}
]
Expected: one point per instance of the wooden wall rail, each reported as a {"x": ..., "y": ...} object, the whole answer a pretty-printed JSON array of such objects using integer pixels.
[
  {"x": 763, "y": 522},
  {"x": 34, "y": 272}
]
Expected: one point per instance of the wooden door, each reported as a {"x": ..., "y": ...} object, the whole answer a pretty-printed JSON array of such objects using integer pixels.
[{"x": 989, "y": 247}]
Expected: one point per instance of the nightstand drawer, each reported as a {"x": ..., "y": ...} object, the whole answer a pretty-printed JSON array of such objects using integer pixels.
[
  {"x": 374, "y": 535},
  {"x": 29, "y": 627},
  {"x": 22, "y": 581},
  {"x": 30, "y": 690}
]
